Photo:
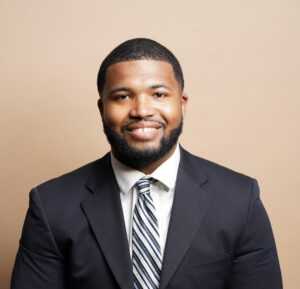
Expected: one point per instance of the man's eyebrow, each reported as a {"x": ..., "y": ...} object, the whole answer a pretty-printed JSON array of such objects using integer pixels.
[
  {"x": 123, "y": 88},
  {"x": 160, "y": 85}
]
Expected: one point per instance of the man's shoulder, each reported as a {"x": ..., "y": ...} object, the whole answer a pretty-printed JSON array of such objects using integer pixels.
[
  {"x": 214, "y": 172},
  {"x": 224, "y": 185},
  {"x": 74, "y": 179}
]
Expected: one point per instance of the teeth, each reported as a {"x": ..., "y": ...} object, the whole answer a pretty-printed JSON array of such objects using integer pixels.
[{"x": 144, "y": 129}]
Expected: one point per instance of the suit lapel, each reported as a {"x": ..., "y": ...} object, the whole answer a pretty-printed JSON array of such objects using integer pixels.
[
  {"x": 104, "y": 212},
  {"x": 189, "y": 207}
]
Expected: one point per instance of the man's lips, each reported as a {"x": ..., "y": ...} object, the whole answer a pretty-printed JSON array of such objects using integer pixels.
[
  {"x": 144, "y": 130},
  {"x": 143, "y": 125}
]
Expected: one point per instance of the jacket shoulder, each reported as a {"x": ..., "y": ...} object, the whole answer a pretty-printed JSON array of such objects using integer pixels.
[
  {"x": 72, "y": 181},
  {"x": 216, "y": 174}
]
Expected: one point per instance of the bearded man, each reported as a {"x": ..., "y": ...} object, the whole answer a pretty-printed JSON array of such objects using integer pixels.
[{"x": 148, "y": 214}]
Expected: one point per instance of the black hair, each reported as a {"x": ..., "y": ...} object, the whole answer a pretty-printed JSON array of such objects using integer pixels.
[{"x": 138, "y": 49}]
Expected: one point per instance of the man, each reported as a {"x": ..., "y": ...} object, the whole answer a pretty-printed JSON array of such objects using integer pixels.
[{"x": 148, "y": 214}]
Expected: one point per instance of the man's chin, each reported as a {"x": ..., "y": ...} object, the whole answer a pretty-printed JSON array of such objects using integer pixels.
[
  {"x": 145, "y": 147},
  {"x": 139, "y": 156},
  {"x": 136, "y": 154}
]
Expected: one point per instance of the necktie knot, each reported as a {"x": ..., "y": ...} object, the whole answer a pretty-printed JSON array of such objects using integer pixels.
[{"x": 143, "y": 185}]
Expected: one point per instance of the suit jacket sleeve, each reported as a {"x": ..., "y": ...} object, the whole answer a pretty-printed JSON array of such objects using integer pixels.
[
  {"x": 256, "y": 263},
  {"x": 39, "y": 263}
]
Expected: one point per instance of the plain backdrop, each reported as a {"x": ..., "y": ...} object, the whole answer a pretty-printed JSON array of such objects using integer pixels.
[{"x": 241, "y": 64}]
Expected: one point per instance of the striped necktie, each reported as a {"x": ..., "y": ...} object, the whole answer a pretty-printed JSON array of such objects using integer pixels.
[{"x": 146, "y": 253}]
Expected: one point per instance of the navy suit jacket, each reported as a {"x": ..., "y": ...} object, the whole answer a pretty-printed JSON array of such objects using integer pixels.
[{"x": 219, "y": 235}]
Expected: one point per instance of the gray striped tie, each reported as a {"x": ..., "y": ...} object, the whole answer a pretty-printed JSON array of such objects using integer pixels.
[{"x": 146, "y": 253}]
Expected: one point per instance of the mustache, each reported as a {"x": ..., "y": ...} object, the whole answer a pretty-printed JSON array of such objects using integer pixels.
[{"x": 126, "y": 125}]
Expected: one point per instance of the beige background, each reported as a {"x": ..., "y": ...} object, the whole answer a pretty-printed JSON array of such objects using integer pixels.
[{"x": 242, "y": 69}]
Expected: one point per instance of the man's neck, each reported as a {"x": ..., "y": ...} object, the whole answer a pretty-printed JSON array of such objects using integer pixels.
[
  {"x": 153, "y": 166},
  {"x": 148, "y": 169}
]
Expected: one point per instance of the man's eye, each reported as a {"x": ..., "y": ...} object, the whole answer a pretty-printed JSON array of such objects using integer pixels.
[
  {"x": 159, "y": 94},
  {"x": 122, "y": 96}
]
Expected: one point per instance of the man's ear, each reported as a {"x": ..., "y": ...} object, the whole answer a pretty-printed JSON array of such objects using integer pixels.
[
  {"x": 184, "y": 101},
  {"x": 100, "y": 105}
]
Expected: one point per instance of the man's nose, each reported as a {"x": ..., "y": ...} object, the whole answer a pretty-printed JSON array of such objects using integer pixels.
[{"x": 142, "y": 107}]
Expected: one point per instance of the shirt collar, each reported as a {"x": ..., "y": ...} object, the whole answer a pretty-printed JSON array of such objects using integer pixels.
[{"x": 166, "y": 173}]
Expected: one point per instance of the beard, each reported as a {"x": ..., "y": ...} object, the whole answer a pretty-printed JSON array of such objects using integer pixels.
[{"x": 139, "y": 158}]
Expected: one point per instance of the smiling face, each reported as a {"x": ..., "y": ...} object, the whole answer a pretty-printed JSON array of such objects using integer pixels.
[{"x": 142, "y": 107}]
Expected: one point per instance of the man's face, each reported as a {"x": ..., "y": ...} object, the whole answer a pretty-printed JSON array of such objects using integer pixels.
[{"x": 142, "y": 107}]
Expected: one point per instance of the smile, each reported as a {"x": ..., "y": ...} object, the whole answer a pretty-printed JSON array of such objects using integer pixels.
[{"x": 144, "y": 131}]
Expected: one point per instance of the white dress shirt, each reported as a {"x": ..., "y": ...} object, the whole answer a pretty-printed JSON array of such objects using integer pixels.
[{"x": 162, "y": 192}]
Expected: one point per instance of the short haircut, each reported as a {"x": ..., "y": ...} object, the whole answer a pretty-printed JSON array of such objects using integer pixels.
[{"x": 139, "y": 49}]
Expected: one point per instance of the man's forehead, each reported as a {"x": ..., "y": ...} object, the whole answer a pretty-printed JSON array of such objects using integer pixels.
[{"x": 157, "y": 72}]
